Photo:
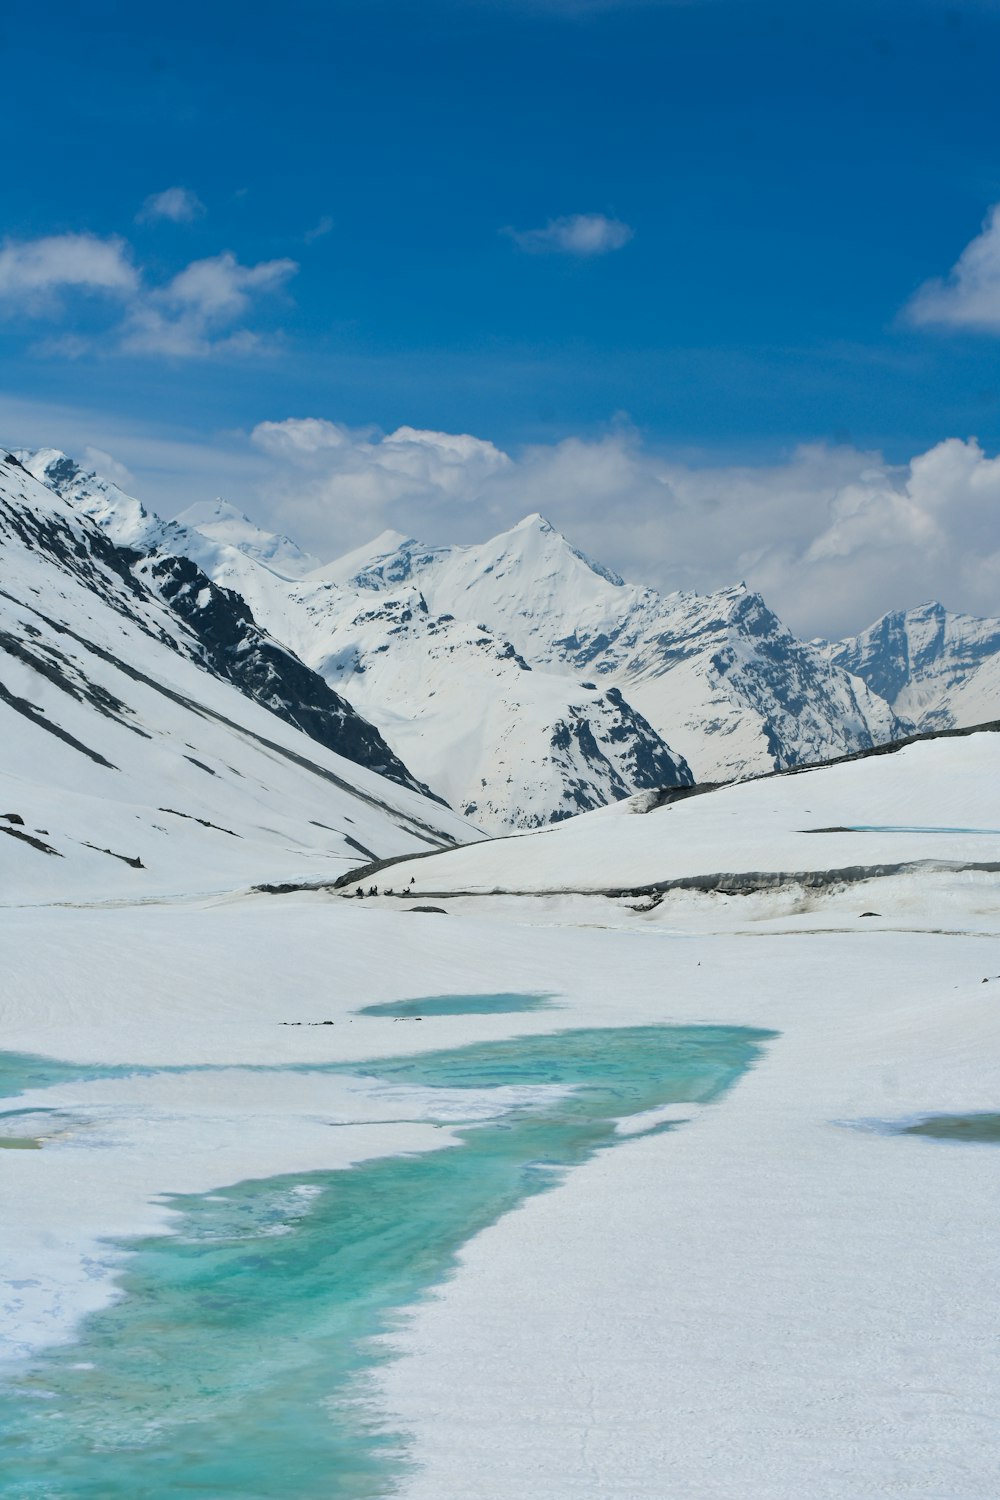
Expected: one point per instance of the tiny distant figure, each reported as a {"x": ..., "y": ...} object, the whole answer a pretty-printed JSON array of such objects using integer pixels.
[
  {"x": 373, "y": 890},
  {"x": 387, "y": 891},
  {"x": 359, "y": 892}
]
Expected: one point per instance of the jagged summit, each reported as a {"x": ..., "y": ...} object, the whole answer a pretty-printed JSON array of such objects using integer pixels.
[
  {"x": 937, "y": 668},
  {"x": 537, "y": 548},
  {"x": 122, "y": 515},
  {"x": 535, "y": 522}
]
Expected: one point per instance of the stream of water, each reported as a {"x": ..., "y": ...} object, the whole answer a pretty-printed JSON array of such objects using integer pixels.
[{"x": 238, "y": 1359}]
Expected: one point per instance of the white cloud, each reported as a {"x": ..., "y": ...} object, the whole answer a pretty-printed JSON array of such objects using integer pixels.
[
  {"x": 575, "y": 234},
  {"x": 969, "y": 296},
  {"x": 198, "y": 312},
  {"x": 33, "y": 272},
  {"x": 65, "y": 346},
  {"x": 334, "y": 477},
  {"x": 194, "y": 314},
  {"x": 833, "y": 537},
  {"x": 178, "y": 204}
]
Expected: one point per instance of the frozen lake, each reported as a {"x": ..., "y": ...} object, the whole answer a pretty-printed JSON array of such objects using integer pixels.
[{"x": 235, "y": 1360}]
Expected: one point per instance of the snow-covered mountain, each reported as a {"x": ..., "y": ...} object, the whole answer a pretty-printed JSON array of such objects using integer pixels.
[
  {"x": 508, "y": 745},
  {"x": 518, "y": 679},
  {"x": 222, "y": 523},
  {"x": 136, "y": 759},
  {"x": 936, "y": 668},
  {"x": 504, "y": 743},
  {"x": 229, "y": 640},
  {"x": 717, "y": 675}
]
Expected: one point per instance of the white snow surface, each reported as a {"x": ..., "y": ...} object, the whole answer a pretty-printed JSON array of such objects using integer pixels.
[
  {"x": 119, "y": 747},
  {"x": 778, "y": 1298},
  {"x": 934, "y": 801}
]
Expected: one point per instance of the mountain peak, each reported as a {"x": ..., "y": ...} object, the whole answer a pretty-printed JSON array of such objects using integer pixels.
[
  {"x": 534, "y": 539},
  {"x": 122, "y": 516},
  {"x": 211, "y": 512},
  {"x": 228, "y": 526},
  {"x": 534, "y": 522},
  {"x": 389, "y": 541},
  {"x": 51, "y": 465}
]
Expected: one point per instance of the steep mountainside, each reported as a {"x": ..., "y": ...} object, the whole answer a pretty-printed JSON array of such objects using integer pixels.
[
  {"x": 937, "y": 668},
  {"x": 129, "y": 765},
  {"x": 221, "y": 630}
]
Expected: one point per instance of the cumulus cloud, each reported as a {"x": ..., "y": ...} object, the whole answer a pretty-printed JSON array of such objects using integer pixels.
[
  {"x": 198, "y": 312},
  {"x": 194, "y": 314},
  {"x": 969, "y": 296},
  {"x": 832, "y": 536},
  {"x": 336, "y": 482},
  {"x": 574, "y": 234},
  {"x": 34, "y": 272},
  {"x": 178, "y": 204}
]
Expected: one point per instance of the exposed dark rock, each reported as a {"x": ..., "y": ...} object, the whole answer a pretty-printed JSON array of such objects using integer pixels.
[
  {"x": 203, "y": 821},
  {"x": 36, "y": 717},
  {"x": 234, "y": 647},
  {"x": 126, "y": 859},
  {"x": 414, "y": 825},
  {"x": 26, "y": 838}
]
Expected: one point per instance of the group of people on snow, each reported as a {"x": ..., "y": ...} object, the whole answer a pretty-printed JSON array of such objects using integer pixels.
[{"x": 373, "y": 889}]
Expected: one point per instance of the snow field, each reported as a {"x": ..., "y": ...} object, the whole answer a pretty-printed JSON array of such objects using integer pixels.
[{"x": 773, "y": 1300}]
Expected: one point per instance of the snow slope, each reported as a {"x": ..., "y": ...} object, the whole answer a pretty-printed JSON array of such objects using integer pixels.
[
  {"x": 935, "y": 667},
  {"x": 221, "y": 631},
  {"x": 505, "y": 744},
  {"x": 935, "y": 802},
  {"x": 130, "y": 767}
]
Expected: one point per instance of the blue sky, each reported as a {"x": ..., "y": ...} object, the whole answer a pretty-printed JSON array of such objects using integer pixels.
[{"x": 695, "y": 231}]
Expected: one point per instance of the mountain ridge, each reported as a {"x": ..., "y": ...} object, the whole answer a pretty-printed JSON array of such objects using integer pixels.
[{"x": 522, "y": 681}]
